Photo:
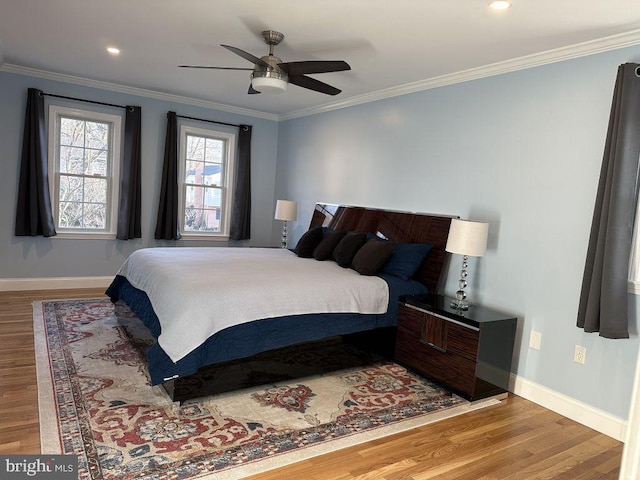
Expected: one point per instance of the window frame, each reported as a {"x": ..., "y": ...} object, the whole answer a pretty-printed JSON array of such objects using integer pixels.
[
  {"x": 228, "y": 174},
  {"x": 56, "y": 112}
]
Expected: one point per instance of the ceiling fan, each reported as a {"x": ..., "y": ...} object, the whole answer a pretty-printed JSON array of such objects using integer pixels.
[{"x": 271, "y": 74}]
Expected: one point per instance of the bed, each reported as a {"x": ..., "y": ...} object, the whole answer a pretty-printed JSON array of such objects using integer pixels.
[{"x": 280, "y": 297}]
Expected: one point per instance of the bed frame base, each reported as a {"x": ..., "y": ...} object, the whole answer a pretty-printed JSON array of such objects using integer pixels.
[{"x": 362, "y": 348}]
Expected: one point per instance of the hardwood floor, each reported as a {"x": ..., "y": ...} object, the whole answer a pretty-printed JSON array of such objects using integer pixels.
[{"x": 515, "y": 440}]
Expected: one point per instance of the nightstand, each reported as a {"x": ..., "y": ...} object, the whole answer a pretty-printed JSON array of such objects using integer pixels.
[{"x": 469, "y": 351}]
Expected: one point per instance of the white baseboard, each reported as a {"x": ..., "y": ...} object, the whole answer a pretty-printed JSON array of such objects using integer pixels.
[
  {"x": 53, "y": 283},
  {"x": 566, "y": 406}
]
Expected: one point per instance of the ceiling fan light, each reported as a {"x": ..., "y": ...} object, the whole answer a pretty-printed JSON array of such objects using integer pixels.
[
  {"x": 269, "y": 84},
  {"x": 500, "y": 4}
]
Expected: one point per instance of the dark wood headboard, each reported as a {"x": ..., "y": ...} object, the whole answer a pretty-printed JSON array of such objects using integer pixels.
[{"x": 404, "y": 227}]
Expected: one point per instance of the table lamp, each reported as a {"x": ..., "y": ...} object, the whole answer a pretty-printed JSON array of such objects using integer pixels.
[
  {"x": 468, "y": 239},
  {"x": 286, "y": 210}
]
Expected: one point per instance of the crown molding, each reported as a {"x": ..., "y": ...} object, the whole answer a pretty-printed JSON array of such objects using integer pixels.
[
  {"x": 583, "y": 49},
  {"x": 142, "y": 92}
]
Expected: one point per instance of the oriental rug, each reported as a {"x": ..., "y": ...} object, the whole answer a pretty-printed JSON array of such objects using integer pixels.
[{"x": 96, "y": 402}]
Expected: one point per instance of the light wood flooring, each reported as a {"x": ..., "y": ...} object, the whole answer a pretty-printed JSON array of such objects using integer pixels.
[{"x": 515, "y": 440}]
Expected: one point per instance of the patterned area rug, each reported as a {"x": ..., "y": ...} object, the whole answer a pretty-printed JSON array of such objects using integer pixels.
[{"x": 96, "y": 401}]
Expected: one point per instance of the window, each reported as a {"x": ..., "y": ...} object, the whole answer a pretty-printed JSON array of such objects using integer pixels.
[
  {"x": 84, "y": 153},
  {"x": 206, "y": 166}
]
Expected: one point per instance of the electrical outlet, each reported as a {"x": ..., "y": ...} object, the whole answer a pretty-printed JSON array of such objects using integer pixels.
[
  {"x": 535, "y": 339},
  {"x": 580, "y": 354}
]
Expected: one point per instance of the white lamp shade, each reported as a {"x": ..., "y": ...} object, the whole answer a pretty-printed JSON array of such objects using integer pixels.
[
  {"x": 286, "y": 210},
  {"x": 467, "y": 238}
]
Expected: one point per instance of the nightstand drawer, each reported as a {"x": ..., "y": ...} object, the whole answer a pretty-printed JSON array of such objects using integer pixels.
[
  {"x": 411, "y": 319},
  {"x": 451, "y": 369},
  {"x": 463, "y": 341},
  {"x": 440, "y": 332}
]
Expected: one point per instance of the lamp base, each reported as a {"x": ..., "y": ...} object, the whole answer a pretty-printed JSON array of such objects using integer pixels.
[
  {"x": 460, "y": 304},
  {"x": 283, "y": 244}
]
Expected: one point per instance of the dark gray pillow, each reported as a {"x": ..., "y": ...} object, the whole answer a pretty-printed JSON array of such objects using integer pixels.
[
  {"x": 347, "y": 247},
  {"x": 308, "y": 242},
  {"x": 324, "y": 250},
  {"x": 372, "y": 256}
]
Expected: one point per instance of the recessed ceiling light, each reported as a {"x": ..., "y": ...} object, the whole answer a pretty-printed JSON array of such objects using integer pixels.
[
  {"x": 500, "y": 4},
  {"x": 113, "y": 50}
]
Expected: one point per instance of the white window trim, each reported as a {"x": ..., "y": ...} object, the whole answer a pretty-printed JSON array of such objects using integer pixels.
[
  {"x": 113, "y": 178},
  {"x": 228, "y": 181}
]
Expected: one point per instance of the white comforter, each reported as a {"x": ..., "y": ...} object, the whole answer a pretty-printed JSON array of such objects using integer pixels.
[{"x": 196, "y": 292}]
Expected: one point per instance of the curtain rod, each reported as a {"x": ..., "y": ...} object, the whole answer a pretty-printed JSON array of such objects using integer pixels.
[
  {"x": 122, "y": 106},
  {"x": 84, "y": 100},
  {"x": 210, "y": 121}
]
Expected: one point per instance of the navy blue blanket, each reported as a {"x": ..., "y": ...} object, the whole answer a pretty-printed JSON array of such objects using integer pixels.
[{"x": 254, "y": 337}]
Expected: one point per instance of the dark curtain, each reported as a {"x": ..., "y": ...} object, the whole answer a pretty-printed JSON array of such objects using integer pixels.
[
  {"x": 241, "y": 209},
  {"x": 33, "y": 213},
  {"x": 603, "y": 300},
  {"x": 167, "y": 225},
  {"x": 129, "y": 211}
]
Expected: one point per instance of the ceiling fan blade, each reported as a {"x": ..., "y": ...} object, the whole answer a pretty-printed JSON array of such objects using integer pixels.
[
  {"x": 312, "y": 66},
  {"x": 247, "y": 56},
  {"x": 313, "y": 84},
  {"x": 214, "y": 68},
  {"x": 252, "y": 91}
]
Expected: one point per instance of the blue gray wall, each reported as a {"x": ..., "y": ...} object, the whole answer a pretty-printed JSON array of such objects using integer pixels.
[
  {"x": 519, "y": 150},
  {"x": 24, "y": 257}
]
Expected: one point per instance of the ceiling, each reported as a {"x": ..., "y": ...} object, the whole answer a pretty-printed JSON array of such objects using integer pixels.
[{"x": 392, "y": 46}]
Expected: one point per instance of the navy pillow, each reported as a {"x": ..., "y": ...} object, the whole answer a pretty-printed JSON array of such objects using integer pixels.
[
  {"x": 347, "y": 248},
  {"x": 308, "y": 242},
  {"x": 372, "y": 256},
  {"x": 406, "y": 259}
]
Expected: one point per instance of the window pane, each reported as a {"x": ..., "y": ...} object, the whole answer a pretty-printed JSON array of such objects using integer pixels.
[
  {"x": 194, "y": 172},
  {"x": 194, "y": 197},
  {"x": 94, "y": 216},
  {"x": 213, "y": 198},
  {"x": 97, "y": 162},
  {"x": 70, "y": 189},
  {"x": 212, "y": 174},
  {"x": 70, "y": 214},
  {"x": 97, "y": 135},
  {"x": 213, "y": 152},
  {"x": 202, "y": 220},
  {"x": 95, "y": 190},
  {"x": 71, "y": 160},
  {"x": 195, "y": 148},
  {"x": 71, "y": 132}
]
